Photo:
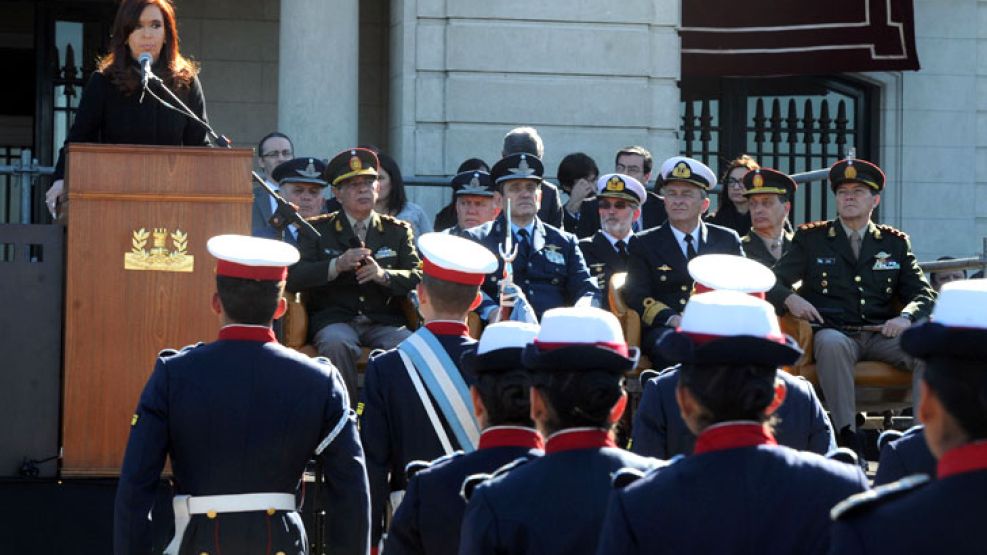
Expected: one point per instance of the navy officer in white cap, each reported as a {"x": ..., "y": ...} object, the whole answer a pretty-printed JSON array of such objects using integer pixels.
[
  {"x": 946, "y": 515},
  {"x": 619, "y": 199},
  {"x": 659, "y": 430},
  {"x": 738, "y": 492},
  {"x": 416, "y": 403},
  {"x": 554, "y": 504},
  {"x": 429, "y": 518},
  {"x": 658, "y": 280},
  {"x": 240, "y": 418}
]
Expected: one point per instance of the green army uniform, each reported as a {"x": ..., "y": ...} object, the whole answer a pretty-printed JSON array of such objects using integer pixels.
[
  {"x": 884, "y": 282},
  {"x": 755, "y": 249}
]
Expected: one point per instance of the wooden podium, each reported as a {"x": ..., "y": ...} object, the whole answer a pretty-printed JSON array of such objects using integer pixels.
[{"x": 138, "y": 278}]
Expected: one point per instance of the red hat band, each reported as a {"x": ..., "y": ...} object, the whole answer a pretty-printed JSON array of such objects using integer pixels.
[
  {"x": 454, "y": 276},
  {"x": 262, "y": 273}
]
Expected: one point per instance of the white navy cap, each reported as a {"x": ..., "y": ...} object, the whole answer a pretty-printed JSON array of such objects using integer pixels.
[
  {"x": 500, "y": 347},
  {"x": 681, "y": 168},
  {"x": 580, "y": 338},
  {"x": 729, "y": 272},
  {"x": 242, "y": 256},
  {"x": 455, "y": 259},
  {"x": 958, "y": 326},
  {"x": 618, "y": 185}
]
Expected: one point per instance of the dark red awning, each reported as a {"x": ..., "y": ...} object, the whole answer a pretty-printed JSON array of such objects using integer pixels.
[{"x": 792, "y": 37}]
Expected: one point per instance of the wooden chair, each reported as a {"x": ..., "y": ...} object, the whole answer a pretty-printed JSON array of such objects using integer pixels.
[{"x": 630, "y": 320}]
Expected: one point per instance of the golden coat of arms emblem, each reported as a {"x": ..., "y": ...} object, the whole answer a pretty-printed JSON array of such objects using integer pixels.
[{"x": 158, "y": 257}]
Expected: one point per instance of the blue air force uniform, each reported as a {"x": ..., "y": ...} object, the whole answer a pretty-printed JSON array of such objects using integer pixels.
[
  {"x": 553, "y": 274},
  {"x": 243, "y": 415},
  {"x": 738, "y": 493},
  {"x": 429, "y": 518},
  {"x": 394, "y": 425},
  {"x": 905, "y": 456},
  {"x": 659, "y": 430},
  {"x": 553, "y": 504}
]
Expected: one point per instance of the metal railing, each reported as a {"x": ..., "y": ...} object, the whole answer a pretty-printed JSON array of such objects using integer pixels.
[{"x": 24, "y": 174}]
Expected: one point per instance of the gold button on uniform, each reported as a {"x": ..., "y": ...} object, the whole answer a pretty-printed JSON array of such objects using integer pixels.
[
  {"x": 825, "y": 291},
  {"x": 681, "y": 301},
  {"x": 684, "y": 288},
  {"x": 857, "y": 279},
  {"x": 663, "y": 278},
  {"x": 211, "y": 514},
  {"x": 824, "y": 283},
  {"x": 862, "y": 301},
  {"x": 270, "y": 512}
]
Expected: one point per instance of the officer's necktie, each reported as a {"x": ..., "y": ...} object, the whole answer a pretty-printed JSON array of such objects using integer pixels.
[
  {"x": 360, "y": 229},
  {"x": 523, "y": 247},
  {"x": 855, "y": 242},
  {"x": 621, "y": 249},
  {"x": 690, "y": 251}
]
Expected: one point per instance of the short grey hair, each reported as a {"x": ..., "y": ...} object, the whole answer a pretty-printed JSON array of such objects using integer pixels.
[{"x": 523, "y": 140}]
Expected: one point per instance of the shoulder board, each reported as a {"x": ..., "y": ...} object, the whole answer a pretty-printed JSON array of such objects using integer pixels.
[
  {"x": 892, "y": 231},
  {"x": 745, "y": 239},
  {"x": 625, "y": 477},
  {"x": 322, "y": 218},
  {"x": 165, "y": 353},
  {"x": 376, "y": 353},
  {"x": 671, "y": 368},
  {"x": 857, "y": 503},
  {"x": 814, "y": 225},
  {"x": 844, "y": 455},
  {"x": 646, "y": 376},
  {"x": 470, "y": 483},
  {"x": 395, "y": 221},
  {"x": 414, "y": 467}
]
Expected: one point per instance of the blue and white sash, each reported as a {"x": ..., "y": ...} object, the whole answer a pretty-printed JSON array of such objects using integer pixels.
[{"x": 441, "y": 376}]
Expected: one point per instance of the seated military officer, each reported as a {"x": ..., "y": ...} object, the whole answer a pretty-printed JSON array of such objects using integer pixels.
[
  {"x": 636, "y": 162},
  {"x": 769, "y": 199},
  {"x": 659, "y": 430},
  {"x": 861, "y": 286},
  {"x": 739, "y": 492},
  {"x": 300, "y": 183},
  {"x": 619, "y": 198},
  {"x": 429, "y": 518},
  {"x": 240, "y": 418},
  {"x": 416, "y": 403},
  {"x": 549, "y": 270},
  {"x": 946, "y": 515},
  {"x": 554, "y": 504},
  {"x": 658, "y": 281},
  {"x": 357, "y": 272},
  {"x": 474, "y": 200}
]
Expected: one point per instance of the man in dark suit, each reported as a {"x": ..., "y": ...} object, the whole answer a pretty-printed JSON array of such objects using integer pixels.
[
  {"x": 636, "y": 162},
  {"x": 300, "y": 183},
  {"x": 526, "y": 140},
  {"x": 658, "y": 280},
  {"x": 273, "y": 150},
  {"x": 769, "y": 193},
  {"x": 620, "y": 198},
  {"x": 358, "y": 272},
  {"x": 240, "y": 418}
]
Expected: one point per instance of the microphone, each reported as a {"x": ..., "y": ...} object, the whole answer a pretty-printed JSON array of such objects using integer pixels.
[
  {"x": 356, "y": 243},
  {"x": 145, "y": 61}
]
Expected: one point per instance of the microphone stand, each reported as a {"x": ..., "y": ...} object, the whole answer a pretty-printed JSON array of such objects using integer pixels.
[{"x": 285, "y": 213}]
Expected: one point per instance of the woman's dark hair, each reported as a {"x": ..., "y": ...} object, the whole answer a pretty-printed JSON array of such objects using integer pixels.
[
  {"x": 398, "y": 198},
  {"x": 118, "y": 65},
  {"x": 574, "y": 167},
  {"x": 743, "y": 161},
  {"x": 249, "y": 301},
  {"x": 578, "y": 399},
  {"x": 505, "y": 396},
  {"x": 961, "y": 386},
  {"x": 730, "y": 391}
]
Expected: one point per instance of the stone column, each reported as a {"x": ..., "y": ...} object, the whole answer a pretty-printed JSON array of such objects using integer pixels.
[{"x": 317, "y": 76}]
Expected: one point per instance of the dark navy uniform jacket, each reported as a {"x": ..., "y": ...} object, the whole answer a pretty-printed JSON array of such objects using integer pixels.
[
  {"x": 907, "y": 455},
  {"x": 918, "y": 515},
  {"x": 394, "y": 426},
  {"x": 603, "y": 261},
  {"x": 243, "y": 415},
  {"x": 658, "y": 280},
  {"x": 659, "y": 430},
  {"x": 428, "y": 520},
  {"x": 550, "y": 505},
  {"x": 554, "y": 275},
  {"x": 739, "y": 493}
]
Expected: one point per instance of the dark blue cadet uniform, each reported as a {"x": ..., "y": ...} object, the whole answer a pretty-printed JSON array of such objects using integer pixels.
[
  {"x": 905, "y": 456},
  {"x": 430, "y": 516},
  {"x": 920, "y": 515},
  {"x": 394, "y": 426},
  {"x": 659, "y": 430},
  {"x": 739, "y": 493},
  {"x": 553, "y": 504},
  {"x": 554, "y": 274},
  {"x": 243, "y": 415}
]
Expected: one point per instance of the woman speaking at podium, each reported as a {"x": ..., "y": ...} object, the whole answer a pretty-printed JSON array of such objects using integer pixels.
[{"x": 112, "y": 109}]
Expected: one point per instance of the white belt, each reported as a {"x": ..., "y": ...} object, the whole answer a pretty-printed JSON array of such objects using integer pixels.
[{"x": 185, "y": 506}]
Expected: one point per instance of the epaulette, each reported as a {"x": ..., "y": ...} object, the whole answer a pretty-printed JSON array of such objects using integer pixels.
[
  {"x": 646, "y": 376},
  {"x": 862, "y": 501},
  {"x": 166, "y": 353},
  {"x": 821, "y": 224},
  {"x": 471, "y": 482},
  {"x": 414, "y": 467},
  {"x": 892, "y": 231},
  {"x": 668, "y": 369},
  {"x": 844, "y": 455},
  {"x": 376, "y": 353},
  {"x": 393, "y": 220}
]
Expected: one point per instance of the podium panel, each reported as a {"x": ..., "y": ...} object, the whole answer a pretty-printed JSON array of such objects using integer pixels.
[{"x": 138, "y": 278}]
